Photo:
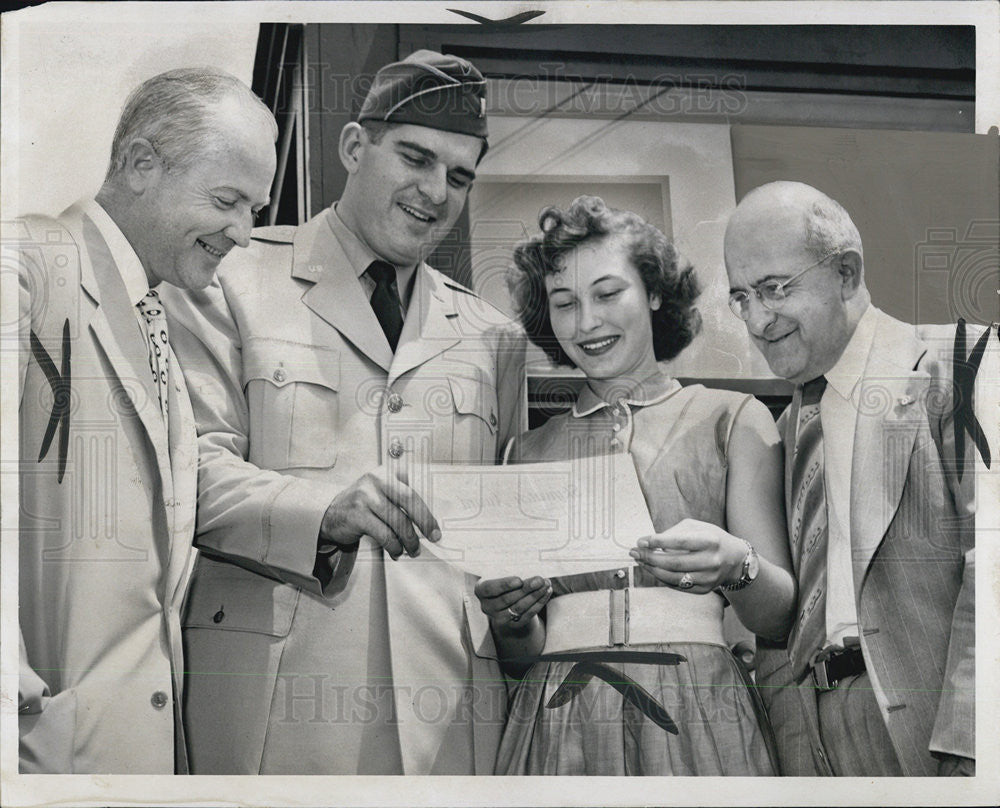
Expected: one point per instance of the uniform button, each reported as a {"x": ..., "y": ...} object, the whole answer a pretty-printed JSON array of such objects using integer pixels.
[
  {"x": 620, "y": 573},
  {"x": 616, "y": 428},
  {"x": 493, "y": 419},
  {"x": 219, "y": 616},
  {"x": 395, "y": 402},
  {"x": 279, "y": 375},
  {"x": 159, "y": 700},
  {"x": 395, "y": 448}
]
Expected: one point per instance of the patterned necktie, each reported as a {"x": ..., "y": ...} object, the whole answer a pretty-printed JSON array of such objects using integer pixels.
[
  {"x": 809, "y": 531},
  {"x": 385, "y": 300},
  {"x": 156, "y": 334}
]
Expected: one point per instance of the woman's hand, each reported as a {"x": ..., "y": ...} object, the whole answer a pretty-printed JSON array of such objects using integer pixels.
[
  {"x": 706, "y": 553},
  {"x": 511, "y": 603}
]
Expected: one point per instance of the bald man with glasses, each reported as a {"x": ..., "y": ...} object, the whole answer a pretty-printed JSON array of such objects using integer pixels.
[{"x": 877, "y": 676}]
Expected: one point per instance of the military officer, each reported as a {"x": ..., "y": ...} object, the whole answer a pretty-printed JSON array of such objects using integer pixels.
[{"x": 327, "y": 367}]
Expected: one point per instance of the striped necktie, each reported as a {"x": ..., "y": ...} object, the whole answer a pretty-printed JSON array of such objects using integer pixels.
[
  {"x": 385, "y": 300},
  {"x": 155, "y": 320},
  {"x": 809, "y": 531}
]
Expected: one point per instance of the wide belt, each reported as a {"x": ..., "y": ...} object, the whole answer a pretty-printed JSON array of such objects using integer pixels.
[{"x": 622, "y": 608}]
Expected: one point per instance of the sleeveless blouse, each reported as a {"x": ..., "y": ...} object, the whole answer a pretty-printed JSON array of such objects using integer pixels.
[{"x": 678, "y": 438}]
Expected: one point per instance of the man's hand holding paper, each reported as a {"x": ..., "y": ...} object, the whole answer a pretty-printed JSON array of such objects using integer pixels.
[{"x": 382, "y": 506}]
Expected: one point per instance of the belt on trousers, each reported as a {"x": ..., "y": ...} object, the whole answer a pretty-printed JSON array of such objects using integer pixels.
[{"x": 837, "y": 666}]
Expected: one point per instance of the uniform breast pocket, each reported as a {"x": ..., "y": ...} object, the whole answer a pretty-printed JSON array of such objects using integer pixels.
[
  {"x": 475, "y": 427},
  {"x": 291, "y": 390}
]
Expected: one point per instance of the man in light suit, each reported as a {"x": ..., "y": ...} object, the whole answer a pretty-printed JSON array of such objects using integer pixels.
[
  {"x": 327, "y": 366},
  {"x": 108, "y": 453},
  {"x": 878, "y": 674}
]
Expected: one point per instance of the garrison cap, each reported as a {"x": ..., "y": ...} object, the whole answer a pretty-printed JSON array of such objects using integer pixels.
[{"x": 429, "y": 89}]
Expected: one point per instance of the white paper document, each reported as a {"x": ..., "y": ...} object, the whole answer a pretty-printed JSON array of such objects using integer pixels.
[{"x": 544, "y": 519}]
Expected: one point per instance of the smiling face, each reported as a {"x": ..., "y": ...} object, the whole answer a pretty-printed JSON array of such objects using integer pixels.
[
  {"x": 405, "y": 192},
  {"x": 190, "y": 218},
  {"x": 804, "y": 336},
  {"x": 599, "y": 309}
]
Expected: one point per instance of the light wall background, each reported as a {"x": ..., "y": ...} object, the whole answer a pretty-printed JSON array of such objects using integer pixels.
[
  {"x": 70, "y": 82},
  {"x": 692, "y": 164}
]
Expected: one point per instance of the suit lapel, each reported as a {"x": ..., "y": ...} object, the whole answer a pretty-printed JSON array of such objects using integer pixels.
[
  {"x": 891, "y": 402},
  {"x": 336, "y": 295},
  {"x": 184, "y": 474},
  {"x": 116, "y": 328},
  {"x": 430, "y": 326}
]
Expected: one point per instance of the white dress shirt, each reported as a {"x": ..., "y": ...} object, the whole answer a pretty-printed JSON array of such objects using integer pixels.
[{"x": 838, "y": 412}]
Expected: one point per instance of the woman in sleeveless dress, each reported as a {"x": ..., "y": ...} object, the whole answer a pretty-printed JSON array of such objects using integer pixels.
[{"x": 625, "y": 671}]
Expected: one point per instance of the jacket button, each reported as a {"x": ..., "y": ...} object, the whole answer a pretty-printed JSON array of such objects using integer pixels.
[
  {"x": 395, "y": 402},
  {"x": 279, "y": 375},
  {"x": 219, "y": 616},
  {"x": 493, "y": 419},
  {"x": 395, "y": 448},
  {"x": 159, "y": 700},
  {"x": 620, "y": 574}
]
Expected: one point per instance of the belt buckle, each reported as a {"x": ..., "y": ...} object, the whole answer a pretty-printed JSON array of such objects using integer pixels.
[{"x": 821, "y": 677}]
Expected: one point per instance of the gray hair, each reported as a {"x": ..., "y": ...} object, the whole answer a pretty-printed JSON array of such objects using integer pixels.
[
  {"x": 829, "y": 228},
  {"x": 174, "y": 112}
]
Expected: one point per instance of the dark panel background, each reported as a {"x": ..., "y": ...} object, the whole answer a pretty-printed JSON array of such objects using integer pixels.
[
  {"x": 927, "y": 206},
  {"x": 926, "y": 203}
]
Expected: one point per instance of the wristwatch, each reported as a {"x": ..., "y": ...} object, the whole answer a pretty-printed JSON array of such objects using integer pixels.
[{"x": 751, "y": 567}]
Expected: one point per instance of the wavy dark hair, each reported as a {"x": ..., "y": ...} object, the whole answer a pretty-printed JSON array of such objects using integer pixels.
[{"x": 663, "y": 270}]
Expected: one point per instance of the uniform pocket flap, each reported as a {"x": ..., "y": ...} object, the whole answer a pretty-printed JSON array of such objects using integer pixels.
[
  {"x": 281, "y": 363},
  {"x": 473, "y": 397},
  {"x": 229, "y": 598}
]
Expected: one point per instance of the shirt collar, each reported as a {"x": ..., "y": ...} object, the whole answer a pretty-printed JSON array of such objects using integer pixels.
[
  {"x": 129, "y": 266},
  {"x": 845, "y": 375},
  {"x": 360, "y": 254},
  {"x": 651, "y": 390}
]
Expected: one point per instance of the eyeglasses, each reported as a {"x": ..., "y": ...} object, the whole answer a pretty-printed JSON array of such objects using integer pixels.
[{"x": 771, "y": 294}]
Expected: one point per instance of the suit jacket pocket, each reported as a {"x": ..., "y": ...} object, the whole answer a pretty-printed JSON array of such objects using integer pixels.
[
  {"x": 48, "y": 738},
  {"x": 225, "y": 597},
  {"x": 292, "y": 393}
]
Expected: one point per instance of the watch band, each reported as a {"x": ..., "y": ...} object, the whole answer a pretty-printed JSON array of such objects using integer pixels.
[{"x": 744, "y": 580}]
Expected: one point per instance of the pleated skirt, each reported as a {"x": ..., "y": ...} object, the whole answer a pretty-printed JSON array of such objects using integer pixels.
[{"x": 722, "y": 727}]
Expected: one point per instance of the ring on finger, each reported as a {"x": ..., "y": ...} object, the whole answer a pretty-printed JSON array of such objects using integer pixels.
[
  {"x": 514, "y": 616},
  {"x": 686, "y": 581}
]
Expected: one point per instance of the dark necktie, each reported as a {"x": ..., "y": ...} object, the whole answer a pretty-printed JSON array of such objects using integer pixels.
[
  {"x": 809, "y": 531},
  {"x": 385, "y": 300}
]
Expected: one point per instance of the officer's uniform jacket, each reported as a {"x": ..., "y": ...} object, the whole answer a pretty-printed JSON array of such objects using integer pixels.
[
  {"x": 297, "y": 394},
  {"x": 106, "y": 515}
]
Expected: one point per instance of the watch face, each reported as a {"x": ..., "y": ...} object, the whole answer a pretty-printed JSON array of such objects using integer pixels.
[{"x": 753, "y": 567}]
